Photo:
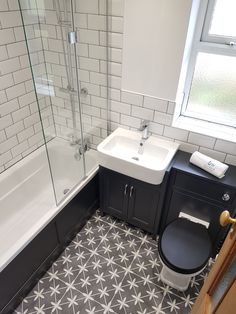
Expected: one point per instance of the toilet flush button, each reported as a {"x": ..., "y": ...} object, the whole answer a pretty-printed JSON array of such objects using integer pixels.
[
  {"x": 226, "y": 197},
  {"x": 194, "y": 219}
]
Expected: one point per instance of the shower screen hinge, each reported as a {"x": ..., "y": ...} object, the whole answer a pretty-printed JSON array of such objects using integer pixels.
[{"x": 72, "y": 38}]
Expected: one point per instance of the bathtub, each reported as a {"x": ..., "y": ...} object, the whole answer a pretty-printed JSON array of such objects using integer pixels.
[{"x": 28, "y": 200}]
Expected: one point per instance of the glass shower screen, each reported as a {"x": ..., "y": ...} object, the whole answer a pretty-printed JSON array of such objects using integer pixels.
[{"x": 72, "y": 98}]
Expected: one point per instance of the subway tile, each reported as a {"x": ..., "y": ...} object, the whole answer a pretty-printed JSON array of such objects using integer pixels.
[
  {"x": 87, "y": 6},
  {"x": 113, "y": 40},
  {"x": 225, "y": 147},
  {"x": 114, "y": 116},
  {"x": 6, "y": 36},
  {"x": 114, "y": 94},
  {"x": 13, "y": 5},
  {"x": 88, "y": 36},
  {"x": 130, "y": 121},
  {"x": 116, "y": 7},
  {"x": 187, "y": 147},
  {"x": 99, "y": 102},
  {"x": 98, "y": 78},
  {"x": 81, "y": 20},
  {"x": 27, "y": 99},
  {"x": 29, "y": 151},
  {"x": 162, "y": 118},
  {"x": 22, "y": 75},
  {"x": 13, "y": 161},
  {"x": 14, "y": 129},
  {"x": 9, "y": 66},
  {"x": 89, "y": 64},
  {"x": 201, "y": 140},
  {"x": 171, "y": 107},
  {"x": 91, "y": 110},
  {"x": 16, "y": 49},
  {"x": 20, "y": 114},
  {"x": 97, "y": 22},
  {"x": 132, "y": 98},
  {"x": 24, "y": 61},
  {"x": 25, "y": 134},
  {"x": 3, "y": 53},
  {"x": 115, "y": 55},
  {"x": 36, "y": 139},
  {"x": 15, "y": 91},
  {"x": 213, "y": 153},
  {"x": 102, "y": 7},
  {"x": 6, "y": 81},
  {"x": 19, "y": 33},
  {"x": 2, "y": 136},
  {"x": 120, "y": 107},
  {"x": 4, "y": 5},
  {"x": 231, "y": 159},
  {"x": 8, "y": 144},
  {"x": 114, "y": 81},
  {"x": 9, "y": 107},
  {"x": 5, "y": 121},
  {"x": 84, "y": 75},
  {"x": 112, "y": 67},
  {"x": 5, "y": 157},
  {"x": 155, "y": 104},
  {"x": 156, "y": 128},
  {"x": 20, "y": 148},
  {"x": 93, "y": 89},
  {"x": 99, "y": 123},
  {"x": 142, "y": 113},
  {"x": 83, "y": 50},
  {"x": 10, "y": 19},
  {"x": 115, "y": 24},
  {"x": 3, "y": 97},
  {"x": 176, "y": 133},
  {"x": 98, "y": 52},
  {"x": 52, "y": 57}
]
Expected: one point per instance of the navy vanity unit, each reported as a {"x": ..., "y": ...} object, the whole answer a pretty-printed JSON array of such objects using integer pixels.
[{"x": 137, "y": 202}]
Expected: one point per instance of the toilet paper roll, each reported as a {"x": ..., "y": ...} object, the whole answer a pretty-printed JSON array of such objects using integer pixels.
[{"x": 209, "y": 164}]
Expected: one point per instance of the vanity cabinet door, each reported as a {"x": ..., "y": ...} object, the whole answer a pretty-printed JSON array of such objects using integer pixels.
[
  {"x": 143, "y": 205},
  {"x": 114, "y": 191}
]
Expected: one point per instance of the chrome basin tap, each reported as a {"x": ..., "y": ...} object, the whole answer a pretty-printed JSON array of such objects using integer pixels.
[{"x": 144, "y": 127}]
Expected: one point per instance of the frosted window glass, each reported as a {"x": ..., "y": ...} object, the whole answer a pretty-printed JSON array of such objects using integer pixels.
[
  {"x": 213, "y": 90},
  {"x": 223, "y": 21}
]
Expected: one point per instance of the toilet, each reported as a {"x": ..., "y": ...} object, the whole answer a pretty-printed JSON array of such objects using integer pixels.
[{"x": 184, "y": 248}]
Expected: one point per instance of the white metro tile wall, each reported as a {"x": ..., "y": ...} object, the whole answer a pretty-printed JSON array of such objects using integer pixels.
[
  {"x": 19, "y": 118},
  {"x": 126, "y": 109}
]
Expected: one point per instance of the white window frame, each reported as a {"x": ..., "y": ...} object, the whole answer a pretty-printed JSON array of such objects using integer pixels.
[{"x": 203, "y": 42}]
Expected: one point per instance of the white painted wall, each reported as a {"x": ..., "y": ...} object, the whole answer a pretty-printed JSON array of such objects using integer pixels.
[{"x": 153, "y": 46}]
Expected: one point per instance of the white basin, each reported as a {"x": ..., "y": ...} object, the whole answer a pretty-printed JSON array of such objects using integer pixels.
[{"x": 120, "y": 152}]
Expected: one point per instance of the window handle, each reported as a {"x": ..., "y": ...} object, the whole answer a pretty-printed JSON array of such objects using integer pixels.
[
  {"x": 125, "y": 190},
  {"x": 131, "y": 191},
  {"x": 231, "y": 44}
]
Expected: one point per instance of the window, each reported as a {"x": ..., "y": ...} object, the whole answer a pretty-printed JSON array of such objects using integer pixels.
[{"x": 210, "y": 89}]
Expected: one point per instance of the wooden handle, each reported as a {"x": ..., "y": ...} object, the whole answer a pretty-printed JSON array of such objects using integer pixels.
[{"x": 225, "y": 219}]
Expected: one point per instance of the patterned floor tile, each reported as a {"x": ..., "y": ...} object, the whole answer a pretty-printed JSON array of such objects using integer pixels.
[{"x": 109, "y": 267}]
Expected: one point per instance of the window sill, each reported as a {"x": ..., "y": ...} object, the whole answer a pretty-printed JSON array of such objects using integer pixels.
[{"x": 207, "y": 128}]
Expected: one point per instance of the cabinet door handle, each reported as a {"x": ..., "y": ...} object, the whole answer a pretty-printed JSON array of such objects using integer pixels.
[
  {"x": 125, "y": 190},
  {"x": 131, "y": 191}
]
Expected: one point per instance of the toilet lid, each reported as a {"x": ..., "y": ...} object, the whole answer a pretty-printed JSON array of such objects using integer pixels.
[{"x": 185, "y": 246}]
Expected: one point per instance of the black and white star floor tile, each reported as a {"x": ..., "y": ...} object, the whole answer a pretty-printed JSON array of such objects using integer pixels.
[{"x": 109, "y": 267}]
